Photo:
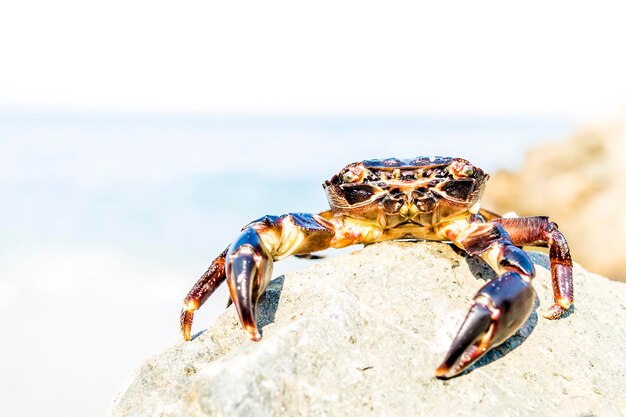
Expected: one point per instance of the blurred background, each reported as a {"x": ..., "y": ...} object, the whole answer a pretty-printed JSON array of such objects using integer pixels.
[{"x": 137, "y": 138}]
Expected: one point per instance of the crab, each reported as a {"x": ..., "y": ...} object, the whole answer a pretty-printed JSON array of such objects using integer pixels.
[{"x": 425, "y": 198}]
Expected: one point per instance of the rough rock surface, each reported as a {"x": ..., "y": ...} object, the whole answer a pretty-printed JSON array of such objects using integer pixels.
[
  {"x": 361, "y": 335},
  {"x": 580, "y": 184}
]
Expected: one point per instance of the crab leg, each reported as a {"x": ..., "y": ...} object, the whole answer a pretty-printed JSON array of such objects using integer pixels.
[
  {"x": 501, "y": 306},
  {"x": 208, "y": 282},
  {"x": 539, "y": 231}
]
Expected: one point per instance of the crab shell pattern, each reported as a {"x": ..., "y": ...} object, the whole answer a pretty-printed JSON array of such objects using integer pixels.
[{"x": 429, "y": 198}]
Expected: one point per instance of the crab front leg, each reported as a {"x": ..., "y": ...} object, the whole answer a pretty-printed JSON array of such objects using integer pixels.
[
  {"x": 501, "y": 306},
  {"x": 246, "y": 265},
  {"x": 202, "y": 289},
  {"x": 540, "y": 231}
]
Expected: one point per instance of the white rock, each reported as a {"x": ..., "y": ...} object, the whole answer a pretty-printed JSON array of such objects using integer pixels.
[{"x": 361, "y": 335}]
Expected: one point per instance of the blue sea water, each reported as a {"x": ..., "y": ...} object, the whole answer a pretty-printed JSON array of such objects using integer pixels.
[
  {"x": 106, "y": 220},
  {"x": 156, "y": 184}
]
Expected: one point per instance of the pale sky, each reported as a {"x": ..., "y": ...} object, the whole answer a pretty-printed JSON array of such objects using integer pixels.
[{"x": 477, "y": 57}]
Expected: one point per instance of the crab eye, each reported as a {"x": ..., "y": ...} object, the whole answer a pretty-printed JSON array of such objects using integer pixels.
[
  {"x": 349, "y": 177},
  {"x": 467, "y": 171},
  {"x": 461, "y": 169},
  {"x": 354, "y": 174}
]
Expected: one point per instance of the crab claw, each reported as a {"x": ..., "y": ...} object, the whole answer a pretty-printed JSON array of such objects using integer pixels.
[
  {"x": 500, "y": 308},
  {"x": 248, "y": 270}
]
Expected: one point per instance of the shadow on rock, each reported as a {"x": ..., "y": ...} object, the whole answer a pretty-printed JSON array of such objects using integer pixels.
[
  {"x": 268, "y": 303},
  {"x": 479, "y": 268},
  {"x": 539, "y": 259}
]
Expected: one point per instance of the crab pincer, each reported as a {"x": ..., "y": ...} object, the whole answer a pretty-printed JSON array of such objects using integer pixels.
[
  {"x": 248, "y": 272},
  {"x": 247, "y": 269},
  {"x": 500, "y": 307}
]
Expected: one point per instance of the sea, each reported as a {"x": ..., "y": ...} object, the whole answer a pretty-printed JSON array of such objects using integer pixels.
[{"x": 107, "y": 219}]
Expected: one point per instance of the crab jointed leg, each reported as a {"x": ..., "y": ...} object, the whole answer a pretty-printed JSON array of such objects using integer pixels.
[
  {"x": 248, "y": 262},
  {"x": 539, "y": 231},
  {"x": 202, "y": 289},
  {"x": 501, "y": 306}
]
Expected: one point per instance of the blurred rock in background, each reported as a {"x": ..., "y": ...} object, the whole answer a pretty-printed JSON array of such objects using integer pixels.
[{"x": 580, "y": 183}]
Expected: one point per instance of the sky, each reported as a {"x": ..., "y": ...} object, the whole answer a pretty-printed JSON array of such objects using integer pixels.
[{"x": 557, "y": 58}]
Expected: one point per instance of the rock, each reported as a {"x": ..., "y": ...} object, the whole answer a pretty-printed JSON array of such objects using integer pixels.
[
  {"x": 579, "y": 184},
  {"x": 362, "y": 334}
]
